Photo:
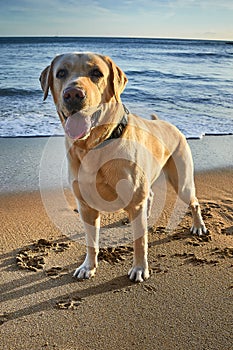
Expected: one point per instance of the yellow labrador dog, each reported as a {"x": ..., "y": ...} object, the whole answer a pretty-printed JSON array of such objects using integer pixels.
[{"x": 114, "y": 156}]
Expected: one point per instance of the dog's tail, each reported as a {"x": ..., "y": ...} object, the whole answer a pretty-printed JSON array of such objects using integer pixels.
[{"x": 154, "y": 117}]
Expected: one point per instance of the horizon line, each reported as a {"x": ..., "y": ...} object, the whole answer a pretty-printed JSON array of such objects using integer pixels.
[{"x": 114, "y": 36}]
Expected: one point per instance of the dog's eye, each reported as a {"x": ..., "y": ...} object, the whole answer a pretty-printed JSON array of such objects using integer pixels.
[
  {"x": 96, "y": 73},
  {"x": 62, "y": 73}
]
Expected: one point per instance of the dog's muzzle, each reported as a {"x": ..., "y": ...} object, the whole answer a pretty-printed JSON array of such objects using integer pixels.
[{"x": 74, "y": 99}]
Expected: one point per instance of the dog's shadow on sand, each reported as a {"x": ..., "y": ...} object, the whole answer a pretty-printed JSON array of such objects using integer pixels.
[{"x": 37, "y": 283}]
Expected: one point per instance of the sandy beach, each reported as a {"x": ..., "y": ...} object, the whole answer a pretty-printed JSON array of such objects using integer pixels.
[{"x": 185, "y": 304}]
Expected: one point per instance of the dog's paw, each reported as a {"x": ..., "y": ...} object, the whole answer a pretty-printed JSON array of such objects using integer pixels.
[
  {"x": 199, "y": 230},
  {"x": 84, "y": 272},
  {"x": 138, "y": 273}
]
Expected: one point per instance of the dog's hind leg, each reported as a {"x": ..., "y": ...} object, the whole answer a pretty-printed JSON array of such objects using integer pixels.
[
  {"x": 179, "y": 169},
  {"x": 138, "y": 218}
]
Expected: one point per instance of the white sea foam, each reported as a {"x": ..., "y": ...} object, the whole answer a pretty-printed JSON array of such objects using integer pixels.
[{"x": 186, "y": 82}]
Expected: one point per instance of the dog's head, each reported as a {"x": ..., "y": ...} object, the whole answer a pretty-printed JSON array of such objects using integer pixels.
[{"x": 80, "y": 83}]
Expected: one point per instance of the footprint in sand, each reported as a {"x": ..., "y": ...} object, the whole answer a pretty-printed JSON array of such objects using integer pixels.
[
  {"x": 158, "y": 229},
  {"x": 199, "y": 240},
  {"x": 56, "y": 271},
  {"x": 60, "y": 247},
  {"x": 191, "y": 258},
  {"x": 159, "y": 269},
  {"x": 114, "y": 255},
  {"x": 33, "y": 258},
  {"x": 123, "y": 290},
  {"x": 30, "y": 260},
  {"x": 223, "y": 253},
  {"x": 69, "y": 303},
  {"x": 42, "y": 245}
]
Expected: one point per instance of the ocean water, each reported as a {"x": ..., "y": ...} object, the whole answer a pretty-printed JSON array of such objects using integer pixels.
[{"x": 186, "y": 82}]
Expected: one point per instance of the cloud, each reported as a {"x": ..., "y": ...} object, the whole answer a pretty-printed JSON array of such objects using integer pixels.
[
  {"x": 225, "y": 4},
  {"x": 110, "y": 7},
  {"x": 164, "y": 18}
]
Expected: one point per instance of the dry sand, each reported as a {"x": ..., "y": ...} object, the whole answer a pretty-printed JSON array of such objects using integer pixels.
[{"x": 186, "y": 303}]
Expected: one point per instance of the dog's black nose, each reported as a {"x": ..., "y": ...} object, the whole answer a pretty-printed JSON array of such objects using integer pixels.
[{"x": 73, "y": 95}]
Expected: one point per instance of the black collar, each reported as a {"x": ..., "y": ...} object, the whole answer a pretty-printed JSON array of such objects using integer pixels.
[{"x": 118, "y": 131}]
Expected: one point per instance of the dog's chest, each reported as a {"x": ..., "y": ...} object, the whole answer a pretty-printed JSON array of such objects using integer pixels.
[
  {"x": 104, "y": 181},
  {"x": 100, "y": 188}
]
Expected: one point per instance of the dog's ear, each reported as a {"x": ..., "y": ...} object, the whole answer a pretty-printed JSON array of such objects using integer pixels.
[
  {"x": 118, "y": 79},
  {"x": 45, "y": 81}
]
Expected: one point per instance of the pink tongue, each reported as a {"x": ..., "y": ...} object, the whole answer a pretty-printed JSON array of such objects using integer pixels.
[{"x": 77, "y": 126}]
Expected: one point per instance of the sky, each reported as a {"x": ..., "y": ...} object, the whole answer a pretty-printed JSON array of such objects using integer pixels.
[{"x": 199, "y": 19}]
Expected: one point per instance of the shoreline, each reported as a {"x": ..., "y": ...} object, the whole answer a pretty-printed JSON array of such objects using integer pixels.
[{"x": 54, "y": 135}]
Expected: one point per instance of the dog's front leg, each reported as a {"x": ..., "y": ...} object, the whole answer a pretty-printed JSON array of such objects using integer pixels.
[
  {"x": 91, "y": 221},
  {"x": 138, "y": 218}
]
